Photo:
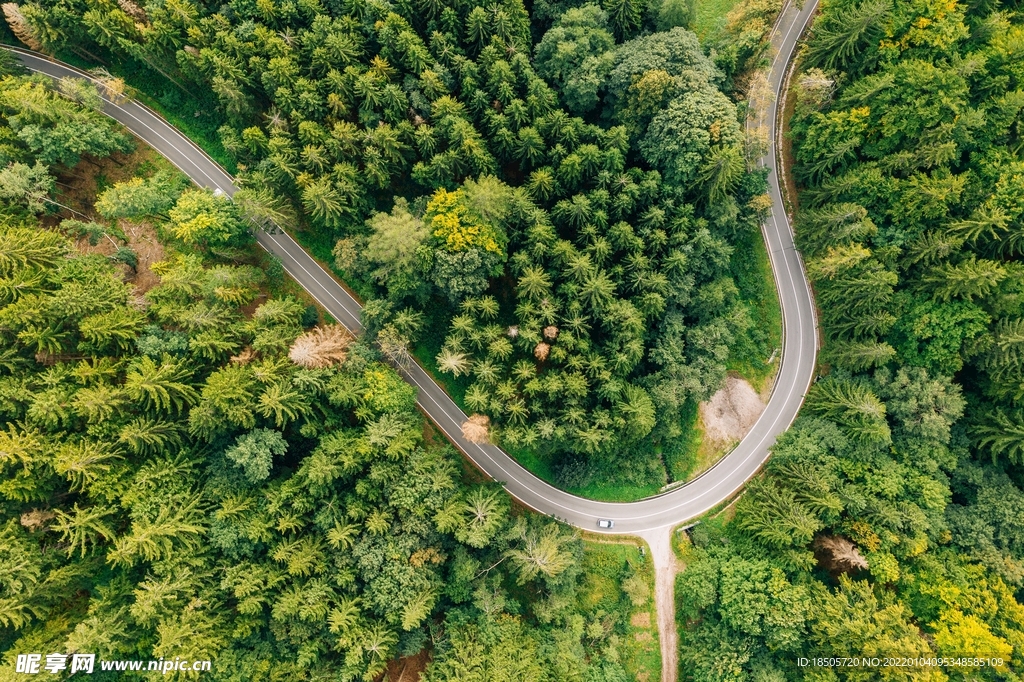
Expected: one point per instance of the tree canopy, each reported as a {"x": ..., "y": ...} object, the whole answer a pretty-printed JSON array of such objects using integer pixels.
[
  {"x": 559, "y": 195},
  {"x": 881, "y": 526},
  {"x": 193, "y": 467}
]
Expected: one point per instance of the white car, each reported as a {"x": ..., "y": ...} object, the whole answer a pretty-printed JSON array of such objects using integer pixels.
[{"x": 605, "y": 523}]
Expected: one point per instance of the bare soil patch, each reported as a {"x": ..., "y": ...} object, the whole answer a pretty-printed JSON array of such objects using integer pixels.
[
  {"x": 641, "y": 620},
  {"x": 724, "y": 420},
  {"x": 142, "y": 239},
  {"x": 77, "y": 187},
  {"x": 731, "y": 412},
  {"x": 665, "y": 568},
  {"x": 406, "y": 669}
]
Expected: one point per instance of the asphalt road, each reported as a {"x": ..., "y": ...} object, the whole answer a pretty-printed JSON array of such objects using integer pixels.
[{"x": 678, "y": 505}]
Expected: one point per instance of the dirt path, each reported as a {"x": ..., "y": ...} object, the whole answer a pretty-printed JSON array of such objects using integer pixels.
[
  {"x": 665, "y": 569},
  {"x": 728, "y": 416}
]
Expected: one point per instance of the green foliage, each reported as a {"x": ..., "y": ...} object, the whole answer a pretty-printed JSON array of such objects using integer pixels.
[
  {"x": 500, "y": 650},
  {"x": 851, "y": 404},
  {"x": 576, "y": 55},
  {"x": 1003, "y": 435},
  {"x": 394, "y": 249},
  {"x": 677, "y": 13},
  {"x": 873, "y": 516},
  {"x": 53, "y": 126},
  {"x": 79, "y": 230},
  {"x": 421, "y": 142},
  {"x": 386, "y": 392},
  {"x": 679, "y": 142},
  {"x": 909, "y": 236},
  {"x": 467, "y": 236},
  {"x": 201, "y": 219},
  {"x": 939, "y": 336},
  {"x": 845, "y": 31},
  {"x": 10, "y": 65},
  {"x": 542, "y": 553},
  {"x": 254, "y": 452},
  {"x": 140, "y": 197},
  {"x": 736, "y": 32},
  {"x": 656, "y": 70},
  {"x": 893, "y": 518},
  {"x": 202, "y": 494},
  {"x": 26, "y": 185}
]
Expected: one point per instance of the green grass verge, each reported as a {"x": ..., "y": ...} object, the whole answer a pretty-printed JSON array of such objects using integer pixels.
[
  {"x": 605, "y": 566},
  {"x": 542, "y": 466},
  {"x": 616, "y": 492},
  {"x": 752, "y": 272},
  {"x": 681, "y": 459},
  {"x": 710, "y": 17}
]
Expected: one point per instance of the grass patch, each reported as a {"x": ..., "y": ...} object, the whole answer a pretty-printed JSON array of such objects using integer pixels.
[
  {"x": 536, "y": 463},
  {"x": 752, "y": 272},
  {"x": 711, "y": 522},
  {"x": 681, "y": 459},
  {"x": 606, "y": 567},
  {"x": 681, "y": 545},
  {"x": 710, "y": 17},
  {"x": 616, "y": 492}
]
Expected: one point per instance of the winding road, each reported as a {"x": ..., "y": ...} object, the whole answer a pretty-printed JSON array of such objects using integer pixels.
[{"x": 658, "y": 513}]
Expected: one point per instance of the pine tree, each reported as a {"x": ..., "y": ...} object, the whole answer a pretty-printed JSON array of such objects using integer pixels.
[
  {"x": 324, "y": 203},
  {"x": 176, "y": 527},
  {"x": 160, "y": 387},
  {"x": 82, "y": 463},
  {"x": 852, "y": 405},
  {"x": 722, "y": 172},
  {"x": 836, "y": 41},
  {"x": 540, "y": 552},
  {"x": 624, "y": 17},
  {"x": 774, "y": 516},
  {"x": 968, "y": 279},
  {"x": 858, "y": 356},
  {"x": 86, "y": 527},
  {"x": 1002, "y": 433}
]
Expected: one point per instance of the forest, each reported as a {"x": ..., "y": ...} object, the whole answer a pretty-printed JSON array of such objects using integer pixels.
[
  {"x": 887, "y": 522},
  {"x": 543, "y": 208},
  {"x": 195, "y": 465},
  {"x": 543, "y": 204}
]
